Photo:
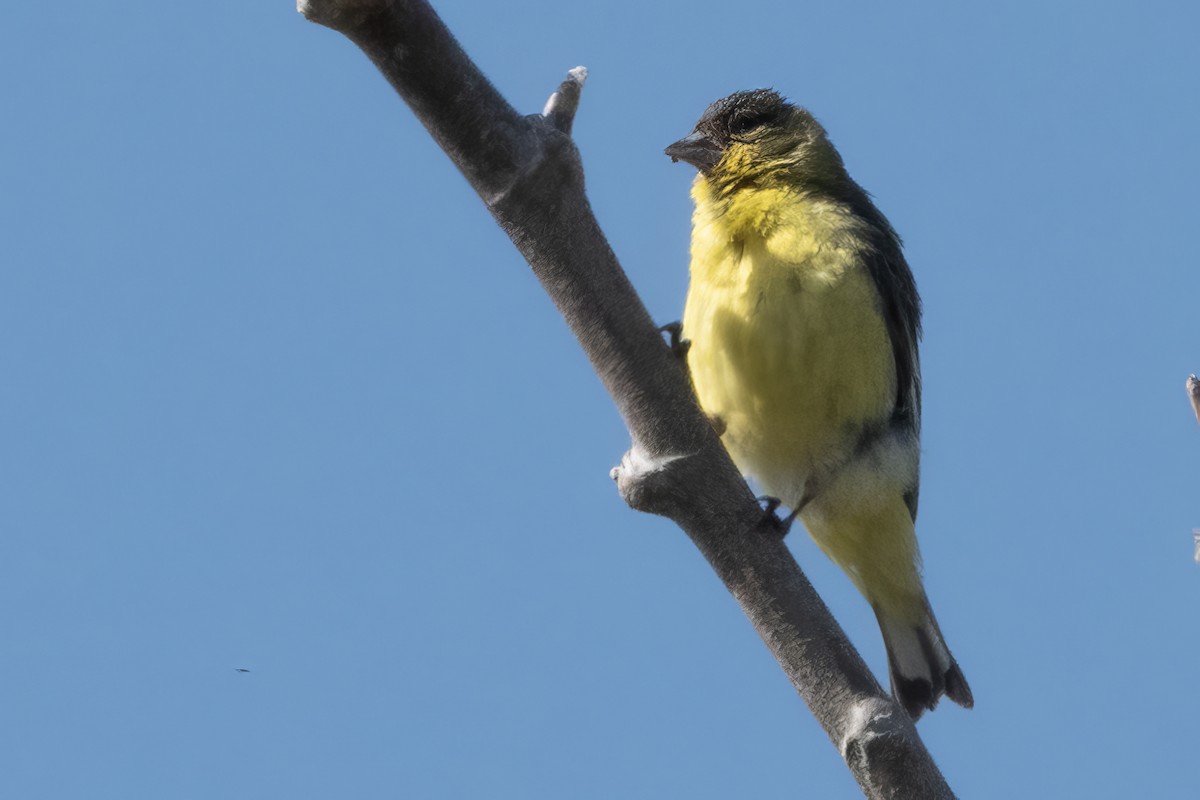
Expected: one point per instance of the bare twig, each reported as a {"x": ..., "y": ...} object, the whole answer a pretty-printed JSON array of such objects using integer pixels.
[
  {"x": 561, "y": 107},
  {"x": 528, "y": 173}
]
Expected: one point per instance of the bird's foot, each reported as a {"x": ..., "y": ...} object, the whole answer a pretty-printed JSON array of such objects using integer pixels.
[
  {"x": 771, "y": 522},
  {"x": 679, "y": 345}
]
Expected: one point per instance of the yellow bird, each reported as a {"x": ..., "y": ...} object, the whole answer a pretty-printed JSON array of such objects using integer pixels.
[{"x": 803, "y": 319}]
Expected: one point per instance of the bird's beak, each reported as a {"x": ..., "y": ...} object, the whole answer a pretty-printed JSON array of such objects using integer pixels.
[{"x": 697, "y": 150}]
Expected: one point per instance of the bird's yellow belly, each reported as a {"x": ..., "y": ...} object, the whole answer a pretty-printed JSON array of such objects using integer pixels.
[{"x": 793, "y": 358}]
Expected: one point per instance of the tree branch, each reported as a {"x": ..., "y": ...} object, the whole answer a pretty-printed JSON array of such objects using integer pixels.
[{"x": 528, "y": 173}]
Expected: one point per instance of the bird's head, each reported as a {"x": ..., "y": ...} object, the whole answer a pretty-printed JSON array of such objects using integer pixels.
[{"x": 757, "y": 138}]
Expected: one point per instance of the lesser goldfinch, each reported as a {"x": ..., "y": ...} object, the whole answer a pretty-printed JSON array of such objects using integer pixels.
[{"x": 803, "y": 320}]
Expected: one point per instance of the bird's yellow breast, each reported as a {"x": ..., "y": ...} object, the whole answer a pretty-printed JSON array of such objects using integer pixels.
[{"x": 788, "y": 347}]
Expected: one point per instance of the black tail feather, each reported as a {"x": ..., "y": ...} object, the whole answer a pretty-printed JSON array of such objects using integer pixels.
[{"x": 921, "y": 667}]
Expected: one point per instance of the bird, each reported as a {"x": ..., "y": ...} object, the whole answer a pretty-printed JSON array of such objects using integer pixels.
[
  {"x": 241, "y": 669},
  {"x": 801, "y": 324}
]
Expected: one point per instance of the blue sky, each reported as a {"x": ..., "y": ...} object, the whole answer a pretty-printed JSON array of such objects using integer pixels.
[{"x": 279, "y": 395}]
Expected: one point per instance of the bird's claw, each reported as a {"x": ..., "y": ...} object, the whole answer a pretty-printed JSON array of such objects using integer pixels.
[
  {"x": 771, "y": 522},
  {"x": 679, "y": 345}
]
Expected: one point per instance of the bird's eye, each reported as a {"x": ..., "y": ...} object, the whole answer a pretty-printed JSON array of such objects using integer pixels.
[{"x": 744, "y": 123}]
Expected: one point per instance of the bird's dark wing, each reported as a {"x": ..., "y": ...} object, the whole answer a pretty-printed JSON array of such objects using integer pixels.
[
  {"x": 899, "y": 301},
  {"x": 901, "y": 308},
  {"x": 902, "y": 315}
]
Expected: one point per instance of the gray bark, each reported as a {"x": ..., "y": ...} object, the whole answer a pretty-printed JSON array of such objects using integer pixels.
[{"x": 528, "y": 173}]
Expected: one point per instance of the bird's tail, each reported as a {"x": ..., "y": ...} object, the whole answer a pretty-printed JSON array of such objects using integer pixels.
[{"x": 920, "y": 664}]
